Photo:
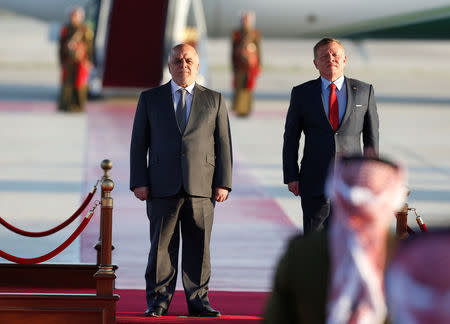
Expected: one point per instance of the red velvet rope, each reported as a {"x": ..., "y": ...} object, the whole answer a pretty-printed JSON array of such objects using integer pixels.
[
  {"x": 55, "y": 229},
  {"x": 422, "y": 226},
  {"x": 51, "y": 254}
]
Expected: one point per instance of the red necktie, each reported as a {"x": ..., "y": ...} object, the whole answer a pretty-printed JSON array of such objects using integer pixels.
[{"x": 333, "y": 111}]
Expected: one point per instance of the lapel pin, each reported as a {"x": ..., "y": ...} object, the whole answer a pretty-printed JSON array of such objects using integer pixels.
[{"x": 354, "y": 88}]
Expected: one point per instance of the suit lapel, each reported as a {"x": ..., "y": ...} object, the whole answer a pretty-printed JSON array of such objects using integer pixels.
[
  {"x": 318, "y": 102},
  {"x": 351, "y": 94},
  {"x": 166, "y": 105},
  {"x": 196, "y": 106}
]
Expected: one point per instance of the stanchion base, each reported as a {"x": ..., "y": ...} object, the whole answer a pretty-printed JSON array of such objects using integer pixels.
[
  {"x": 43, "y": 275},
  {"x": 57, "y": 308}
]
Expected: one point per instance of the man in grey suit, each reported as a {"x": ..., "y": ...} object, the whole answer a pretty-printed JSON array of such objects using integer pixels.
[
  {"x": 181, "y": 160},
  {"x": 334, "y": 112}
]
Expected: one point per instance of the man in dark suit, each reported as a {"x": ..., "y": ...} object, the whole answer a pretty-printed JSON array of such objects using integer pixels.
[
  {"x": 184, "y": 130},
  {"x": 333, "y": 112}
]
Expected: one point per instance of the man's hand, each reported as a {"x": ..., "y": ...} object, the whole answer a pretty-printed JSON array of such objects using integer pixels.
[
  {"x": 220, "y": 194},
  {"x": 293, "y": 187},
  {"x": 141, "y": 193}
]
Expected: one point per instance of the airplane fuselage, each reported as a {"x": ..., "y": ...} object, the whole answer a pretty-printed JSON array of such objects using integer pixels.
[{"x": 283, "y": 18}]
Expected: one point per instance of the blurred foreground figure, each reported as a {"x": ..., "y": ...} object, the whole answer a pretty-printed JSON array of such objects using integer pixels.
[
  {"x": 418, "y": 280},
  {"x": 75, "y": 57},
  {"x": 336, "y": 276},
  {"x": 246, "y": 60}
]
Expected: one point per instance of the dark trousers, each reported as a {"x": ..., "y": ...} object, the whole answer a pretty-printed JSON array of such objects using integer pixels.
[
  {"x": 316, "y": 213},
  {"x": 194, "y": 216},
  {"x": 71, "y": 98}
]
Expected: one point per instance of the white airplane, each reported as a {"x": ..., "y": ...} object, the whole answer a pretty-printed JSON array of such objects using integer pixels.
[
  {"x": 289, "y": 18},
  {"x": 138, "y": 34}
]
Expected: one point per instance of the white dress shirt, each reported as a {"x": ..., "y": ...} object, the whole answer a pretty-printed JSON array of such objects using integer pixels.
[
  {"x": 341, "y": 94},
  {"x": 176, "y": 95}
]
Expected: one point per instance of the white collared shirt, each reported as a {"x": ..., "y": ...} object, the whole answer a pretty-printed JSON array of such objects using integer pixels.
[
  {"x": 176, "y": 95},
  {"x": 341, "y": 94}
]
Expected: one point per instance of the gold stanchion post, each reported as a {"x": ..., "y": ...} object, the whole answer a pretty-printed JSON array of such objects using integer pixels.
[
  {"x": 401, "y": 229},
  {"x": 105, "y": 276},
  {"x": 106, "y": 165}
]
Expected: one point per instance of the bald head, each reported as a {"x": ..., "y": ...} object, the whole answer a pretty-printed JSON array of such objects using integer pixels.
[
  {"x": 183, "y": 64},
  {"x": 180, "y": 48}
]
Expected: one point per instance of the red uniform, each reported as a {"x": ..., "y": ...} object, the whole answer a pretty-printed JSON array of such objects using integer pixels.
[
  {"x": 246, "y": 68},
  {"x": 75, "y": 55}
]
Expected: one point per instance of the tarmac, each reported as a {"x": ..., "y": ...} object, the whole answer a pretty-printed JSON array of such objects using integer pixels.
[{"x": 50, "y": 160}]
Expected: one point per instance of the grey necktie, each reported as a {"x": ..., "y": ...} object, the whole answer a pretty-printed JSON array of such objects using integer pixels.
[{"x": 181, "y": 110}]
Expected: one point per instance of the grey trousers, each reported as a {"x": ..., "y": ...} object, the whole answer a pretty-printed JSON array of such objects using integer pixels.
[{"x": 167, "y": 215}]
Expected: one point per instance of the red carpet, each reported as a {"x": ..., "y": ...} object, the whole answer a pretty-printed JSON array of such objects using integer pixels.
[{"x": 236, "y": 307}]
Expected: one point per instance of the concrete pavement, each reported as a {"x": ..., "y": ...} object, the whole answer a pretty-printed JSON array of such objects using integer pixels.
[{"x": 48, "y": 159}]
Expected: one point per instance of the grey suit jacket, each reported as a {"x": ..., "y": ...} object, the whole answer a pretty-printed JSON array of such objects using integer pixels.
[
  {"x": 306, "y": 115},
  {"x": 165, "y": 160}
]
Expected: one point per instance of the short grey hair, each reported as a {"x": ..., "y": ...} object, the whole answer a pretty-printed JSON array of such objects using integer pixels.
[{"x": 325, "y": 41}]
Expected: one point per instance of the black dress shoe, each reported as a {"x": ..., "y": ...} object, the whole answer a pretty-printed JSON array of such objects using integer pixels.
[
  {"x": 155, "y": 311},
  {"x": 205, "y": 311}
]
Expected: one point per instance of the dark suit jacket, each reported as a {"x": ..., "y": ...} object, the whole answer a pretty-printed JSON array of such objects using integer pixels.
[
  {"x": 300, "y": 285},
  {"x": 322, "y": 144},
  {"x": 199, "y": 159}
]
